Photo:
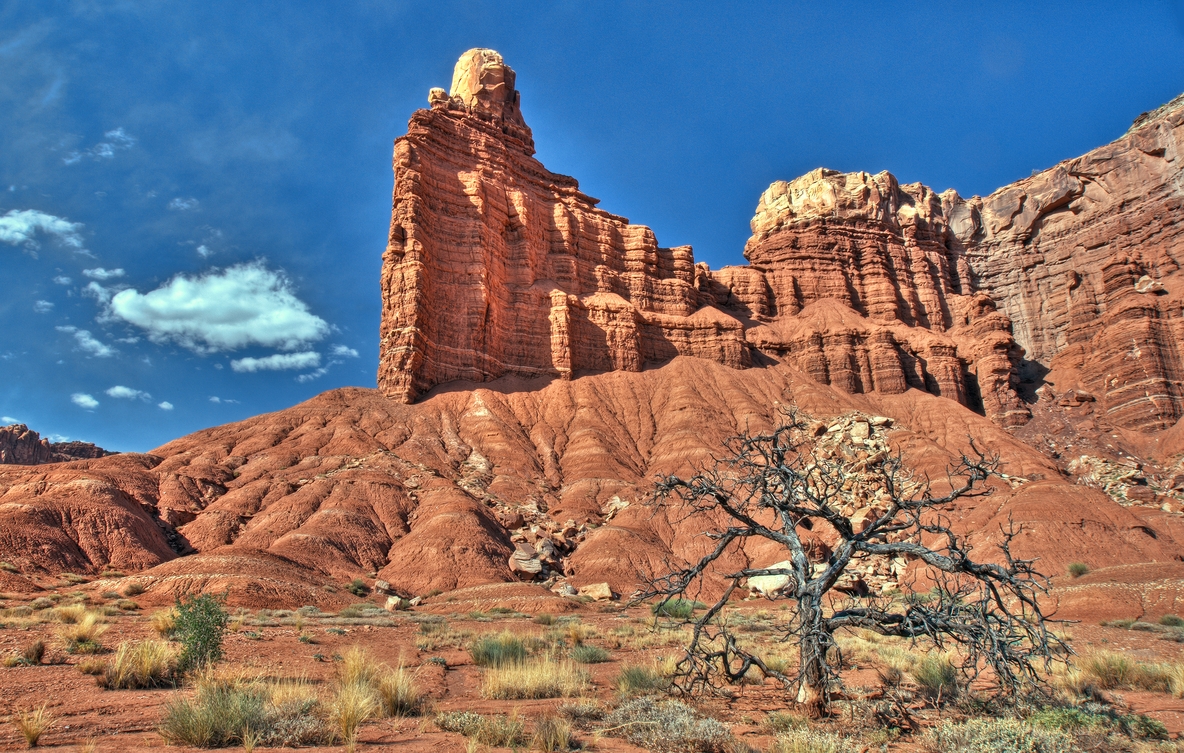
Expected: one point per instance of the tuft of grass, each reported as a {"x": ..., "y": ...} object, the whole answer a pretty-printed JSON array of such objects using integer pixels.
[
  {"x": 499, "y": 731},
  {"x": 997, "y": 736},
  {"x": 164, "y": 622},
  {"x": 92, "y": 665},
  {"x": 29, "y": 656},
  {"x": 357, "y": 667},
  {"x": 784, "y": 721},
  {"x": 551, "y": 735},
  {"x": 936, "y": 676},
  {"x": 70, "y": 615},
  {"x": 538, "y": 678},
  {"x": 667, "y": 726},
  {"x": 147, "y": 664},
  {"x": 223, "y": 712},
  {"x": 497, "y": 650},
  {"x": 8, "y": 567},
  {"x": 545, "y": 618},
  {"x": 805, "y": 740},
  {"x": 677, "y": 608},
  {"x": 82, "y": 637},
  {"x": 638, "y": 679},
  {"x": 33, "y": 723},
  {"x": 352, "y": 704},
  {"x": 1171, "y": 620},
  {"x": 1077, "y": 569},
  {"x": 398, "y": 694},
  {"x": 587, "y": 654},
  {"x": 134, "y": 588}
]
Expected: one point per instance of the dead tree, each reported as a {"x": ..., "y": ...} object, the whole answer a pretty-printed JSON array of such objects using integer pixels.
[{"x": 775, "y": 486}]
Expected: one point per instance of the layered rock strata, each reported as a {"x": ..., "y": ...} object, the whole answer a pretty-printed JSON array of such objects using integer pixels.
[
  {"x": 496, "y": 266},
  {"x": 19, "y": 445}
]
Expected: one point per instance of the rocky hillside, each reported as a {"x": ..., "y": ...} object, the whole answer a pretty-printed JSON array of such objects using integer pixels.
[
  {"x": 21, "y": 446},
  {"x": 543, "y": 361}
]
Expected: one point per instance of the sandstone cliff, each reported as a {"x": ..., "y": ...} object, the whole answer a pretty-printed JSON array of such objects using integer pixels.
[
  {"x": 20, "y": 446},
  {"x": 496, "y": 266}
]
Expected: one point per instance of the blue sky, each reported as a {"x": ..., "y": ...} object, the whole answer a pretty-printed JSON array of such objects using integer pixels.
[{"x": 194, "y": 197}]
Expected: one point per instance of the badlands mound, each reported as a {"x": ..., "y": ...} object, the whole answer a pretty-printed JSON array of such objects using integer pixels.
[{"x": 542, "y": 361}]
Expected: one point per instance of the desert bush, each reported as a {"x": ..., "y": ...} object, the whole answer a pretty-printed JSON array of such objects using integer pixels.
[
  {"x": 82, "y": 637},
  {"x": 936, "y": 676},
  {"x": 586, "y": 654},
  {"x": 1171, "y": 620},
  {"x": 582, "y": 712},
  {"x": 1077, "y": 569},
  {"x": 546, "y": 618},
  {"x": 677, "y": 608},
  {"x": 200, "y": 626},
  {"x": 784, "y": 721},
  {"x": 500, "y": 731},
  {"x": 398, "y": 693},
  {"x": 147, "y": 664},
  {"x": 357, "y": 587},
  {"x": 1108, "y": 670},
  {"x": 1103, "y": 720},
  {"x": 352, "y": 704},
  {"x": 41, "y": 602},
  {"x": 497, "y": 650},
  {"x": 92, "y": 665},
  {"x": 8, "y": 567},
  {"x": 666, "y": 726},
  {"x": 164, "y": 622},
  {"x": 805, "y": 740},
  {"x": 134, "y": 588},
  {"x": 32, "y": 724},
  {"x": 997, "y": 736},
  {"x": 223, "y": 713},
  {"x": 30, "y": 655},
  {"x": 637, "y": 679},
  {"x": 538, "y": 678},
  {"x": 551, "y": 734}
]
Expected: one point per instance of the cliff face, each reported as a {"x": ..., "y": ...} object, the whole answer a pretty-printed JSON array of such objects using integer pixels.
[
  {"x": 496, "y": 266},
  {"x": 21, "y": 446}
]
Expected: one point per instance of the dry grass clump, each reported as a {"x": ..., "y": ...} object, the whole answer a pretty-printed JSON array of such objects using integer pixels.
[
  {"x": 499, "y": 731},
  {"x": 1108, "y": 670},
  {"x": 147, "y": 664},
  {"x": 537, "y": 678},
  {"x": 228, "y": 710},
  {"x": 29, "y": 656},
  {"x": 357, "y": 667},
  {"x": 92, "y": 665},
  {"x": 398, "y": 693},
  {"x": 70, "y": 615},
  {"x": 667, "y": 726},
  {"x": 351, "y": 705},
  {"x": 805, "y": 740},
  {"x": 551, "y": 735},
  {"x": 997, "y": 736},
  {"x": 589, "y": 654},
  {"x": 936, "y": 676},
  {"x": 164, "y": 622},
  {"x": 498, "y": 650},
  {"x": 32, "y": 724},
  {"x": 638, "y": 679},
  {"x": 82, "y": 636}
]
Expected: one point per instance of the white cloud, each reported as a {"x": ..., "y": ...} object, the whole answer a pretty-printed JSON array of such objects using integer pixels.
[
  {"x": 20, "y": 227},
  {"x": 87, "y": 343},
  {"x": 8, "y": 420},
  {"x": 120, "y": 138},
  {"x": 166, "y": 405},
  {"x": 315, "y": 374},
  {"x": 222, "y": 310},
  {"x": 278, "y": 362},
  {"x": 216, "y": 399},
  {"x": 98, "y": 273},
  {"x": 43, "y": 307},
  {"x": 83, "y": 400},
  {"x": 127, "y": 393},
  {"x": 62, "y": 280},
  {"x": 344, "y": 351},
  {"x": 98, "y": 292},
  {"x": 204, "y": 251},
  {"x": 117, "y": 139},
  {"x": 183, "y": 205}
]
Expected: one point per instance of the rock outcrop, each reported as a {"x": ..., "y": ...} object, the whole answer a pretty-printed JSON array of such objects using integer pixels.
[
  {"x": 21, "y": 446},
  {"x": 495, "y": 266}
]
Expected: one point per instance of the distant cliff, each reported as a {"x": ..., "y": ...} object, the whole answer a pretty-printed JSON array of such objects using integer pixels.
[{"x": 21, "y": 446}]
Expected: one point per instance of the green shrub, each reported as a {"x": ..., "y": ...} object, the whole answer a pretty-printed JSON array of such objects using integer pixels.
[
  {"x": 357, "y": 587},
  {"x": 222, "y": 714},
  {"x": 667, "y": 726},
  {"x": 200, "y": 627},
  {"x": 784, "y": 721},
  {"x": 1171, "y": 620},
  {"x": 586, "y": 654},
  {"x": 497, "y": 650},
  {"x": 997, "y": 736},
  {"x": 678, "y": 608},
  {"x": 637, "y": 679},
  {"x": 1077, "y": 569},
  {"x": 936, "y": 676}
]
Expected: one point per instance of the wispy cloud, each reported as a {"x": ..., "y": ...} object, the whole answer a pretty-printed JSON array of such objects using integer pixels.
[
  {"x": 127, "y": 393},
  {"x": 223, "y": 310},
  {"x": 220, "y": 400},
  {"x": 23, "y": 227},
  {"x": 9, "y": 420},
  {"x": 344, "y": 351},
  {"x": 98, "y": 273},
  {"x": 278, "y": 362},
  {"x": 83, "y": 400},
  {"x": 116, "y": 140},
  {"x": 183, "y": 205},
  {"x": 87, "y": 343},
  {"x": 43, "y": 307},
  {"x": 62, "y": 280}
]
